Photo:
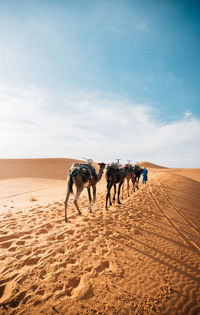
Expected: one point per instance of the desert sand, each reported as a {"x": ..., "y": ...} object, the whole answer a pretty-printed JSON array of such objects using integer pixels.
[{"x": 140, "y": 257}]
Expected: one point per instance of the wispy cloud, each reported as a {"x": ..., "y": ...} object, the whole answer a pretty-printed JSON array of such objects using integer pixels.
[
  {"x": 41, "y": 123},
  {"x": 187, "y": 114}
]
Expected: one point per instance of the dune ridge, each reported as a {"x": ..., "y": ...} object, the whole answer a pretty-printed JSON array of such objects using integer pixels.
[
  {"x": 140, "y": 257},
  {"x": 39, "y": 168}
]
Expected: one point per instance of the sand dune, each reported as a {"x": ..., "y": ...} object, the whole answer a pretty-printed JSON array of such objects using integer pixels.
[
  {"x": 151, "y": 165},
  {"x": 39, "y": 168},
  {"x": 141, "y": 257}
]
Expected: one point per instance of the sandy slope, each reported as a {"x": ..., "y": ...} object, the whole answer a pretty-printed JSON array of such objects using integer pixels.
[
  {"x": 34, "y": 168},
  {"x": 137, "y": 258}
]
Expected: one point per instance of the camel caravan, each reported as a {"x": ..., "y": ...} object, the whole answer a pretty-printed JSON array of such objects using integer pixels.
[{"x": 83, "y": 175}]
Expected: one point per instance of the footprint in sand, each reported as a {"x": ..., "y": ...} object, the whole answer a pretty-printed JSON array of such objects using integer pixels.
[
  {"x": 14, "y": 303},
  {"x": 48, "y": 226},
  {"x": 71, "y": 261},
  {"x": 2, "y": 289},
  {"x": 107, "y": 233},
  {"x": 61, "y": 236},
  {"x": 84, "y": 247},
  {"x": 30, "y": 261},
  {"x": 12, "y": 249},
  {"x": 91, "y": 238},
  {"x": 101, "y": 267},
  {"x": 3, "y": 232},
  {"x": 5, "y": 244},
  {"x": 41, "y": 231},
  {"x": 84, "y": 290},
  {"x": 43, "y": 274},
  {"x": 20, "y": 242},
  {"x": 26, "y": 237},
  {"x": 88, "y": 269},
  {"x": 71, "y": 285}
]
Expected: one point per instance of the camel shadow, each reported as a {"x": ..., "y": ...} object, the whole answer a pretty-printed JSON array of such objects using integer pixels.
[{"x": 172, "y": 259}]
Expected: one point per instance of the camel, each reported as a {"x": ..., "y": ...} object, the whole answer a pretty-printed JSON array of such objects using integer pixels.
[
  {"x": 129, "y": 176},
  {"x": 83, "y": 175},
  {"x": 137, "y": 171},
  {"x": 115, "y": 174}
]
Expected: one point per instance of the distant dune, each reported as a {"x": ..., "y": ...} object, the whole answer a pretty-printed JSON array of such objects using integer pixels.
[
  {"x": 39, "y": 168},
  {"x": 55, "y": 168},
  {"x": 151, "y": 165}
]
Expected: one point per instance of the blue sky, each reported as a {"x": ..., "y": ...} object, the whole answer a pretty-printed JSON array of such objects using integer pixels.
[{"x": 101, "y": 79}]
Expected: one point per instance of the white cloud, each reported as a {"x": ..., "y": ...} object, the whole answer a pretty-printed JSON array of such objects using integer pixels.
[
  {"x": 187, "y": 114},
  {"x": 42, "y": 123}
]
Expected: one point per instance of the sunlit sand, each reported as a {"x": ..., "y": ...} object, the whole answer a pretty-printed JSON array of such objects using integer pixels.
[{"x": 140, "y": 257}]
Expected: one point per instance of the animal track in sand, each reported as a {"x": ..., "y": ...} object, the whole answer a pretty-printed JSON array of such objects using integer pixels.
[
  {"x": 42, "y": 273},
  {"x": 102, "y": 266},
  {"x": 26, "y": 238},
  {"x": 12, "y": 249},
  {"x": 20, "y": 242},
  {"x": 15, "y": 302},
  {"x": 48, "y": 226},
  {"x": 73, "y": 282},
  {"x": 6, "y": 244},
  {"x": 71, "y": 285},
  {"x": 70, "y": 232},
  {"x": 88, "y": 269},
  {"x": 2, "y": 289},
  {"x": 41, "y": 231},
  {"x": 84, "y": 247},
  {"x": 61, "y": 236},
  {"x": 71, "y": 261},
  {"x": 87, "y": 294},
  {"x": 30, "y": 261}
]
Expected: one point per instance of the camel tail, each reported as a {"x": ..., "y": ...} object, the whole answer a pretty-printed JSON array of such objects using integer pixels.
[{"x": 70, "y": 183}]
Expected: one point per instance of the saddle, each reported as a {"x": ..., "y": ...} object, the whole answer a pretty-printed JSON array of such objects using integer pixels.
[
  {"x": 89, "y": 168},
  {"x": 129, "y": 168},
  {"x": 137, "y": 167},
  {"x": 115, "y": 166}
]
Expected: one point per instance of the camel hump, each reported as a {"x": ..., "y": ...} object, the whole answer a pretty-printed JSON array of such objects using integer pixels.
[
  {"x": 112, "y": 169},
  {"x": 115, "y": 166},
  {"x": 89, "y": 161},
  {"x": 129, "y": 167},
  {"x": 74, "y": 165},
  {"x": 89, "y": 168}
]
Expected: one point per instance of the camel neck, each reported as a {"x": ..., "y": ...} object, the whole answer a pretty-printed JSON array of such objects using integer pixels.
[{"x": 99, "y": 175}]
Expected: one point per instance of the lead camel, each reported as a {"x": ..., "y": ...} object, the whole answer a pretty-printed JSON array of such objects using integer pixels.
[{"x": 83, "y": 175}]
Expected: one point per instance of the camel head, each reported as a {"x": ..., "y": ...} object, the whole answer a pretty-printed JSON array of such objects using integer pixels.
[{"x": 102, "y": 166}]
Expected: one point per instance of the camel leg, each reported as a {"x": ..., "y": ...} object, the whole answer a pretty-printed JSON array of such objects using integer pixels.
[
  {"x": 127, "y": 186},
  {"x": 109, "y": 186},
  {"x": 138, "y": 183},
  {"x": 90, "y": 199},
  {"x": 114, "y": 193},
  {"x": 94, "y": 194},
  {"x": 94, "y": 198},
  {"x": 119, "y": 192},
  {"x": 78, "y": 192},
  {"x": 135, "y": 186},
  {"x": 133, "y": 183},
  {"x": 66, "y": 202},
  {"x": 123, "y": 189}
]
